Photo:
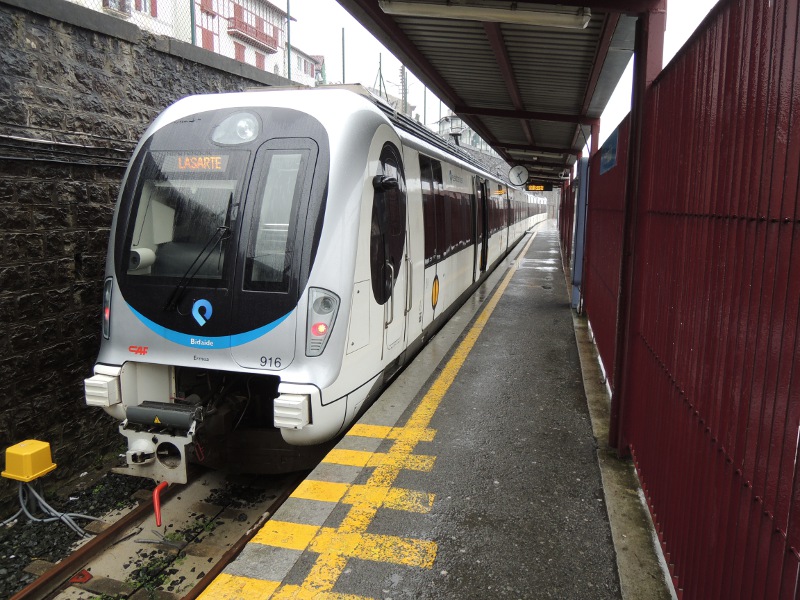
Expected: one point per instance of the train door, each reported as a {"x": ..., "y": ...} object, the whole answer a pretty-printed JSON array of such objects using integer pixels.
[
  {"x": 433, "y": 215},
  {"x": 388, "y": 247},
  {"x": 429, "y": 226},
  {"x": 476, "y": 230},
  {"x": 483, "y": 222}
]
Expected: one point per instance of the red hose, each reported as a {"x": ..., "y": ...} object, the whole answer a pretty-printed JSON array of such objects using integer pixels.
[{"x": 157, "y": 501}]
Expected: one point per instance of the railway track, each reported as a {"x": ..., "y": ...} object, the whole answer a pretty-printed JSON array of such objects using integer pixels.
[{"x": 204, "y": 526}]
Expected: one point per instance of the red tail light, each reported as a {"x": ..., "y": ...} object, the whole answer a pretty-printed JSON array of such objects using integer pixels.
[
  {"x": 322, "y": 309},
  {"x": 107, "y": 307}
]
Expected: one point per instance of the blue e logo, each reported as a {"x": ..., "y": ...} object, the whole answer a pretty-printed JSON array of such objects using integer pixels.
[{"x": 203, "y": 318}]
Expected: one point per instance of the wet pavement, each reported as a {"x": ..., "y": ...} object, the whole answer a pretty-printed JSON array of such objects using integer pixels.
[{"x": 475, "y": 475}]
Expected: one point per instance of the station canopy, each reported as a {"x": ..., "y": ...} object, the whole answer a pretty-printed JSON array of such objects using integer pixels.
[{"x": 529, "y": 78}]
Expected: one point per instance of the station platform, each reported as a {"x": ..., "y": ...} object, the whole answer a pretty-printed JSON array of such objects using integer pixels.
[{"x": 477, "y": 474}]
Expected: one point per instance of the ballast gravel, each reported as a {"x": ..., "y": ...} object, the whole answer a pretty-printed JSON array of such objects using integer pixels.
[{"x": 23, "y": 542}]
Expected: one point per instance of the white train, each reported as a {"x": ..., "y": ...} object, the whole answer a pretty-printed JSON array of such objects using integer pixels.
[{"x": 275, "y": 258}]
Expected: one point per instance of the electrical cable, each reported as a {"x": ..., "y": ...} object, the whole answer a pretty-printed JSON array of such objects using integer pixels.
[{"x": 27, "y": 494}]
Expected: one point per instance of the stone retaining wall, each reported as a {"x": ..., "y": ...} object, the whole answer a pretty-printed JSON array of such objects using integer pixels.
[{"x": 77, "y": 89}]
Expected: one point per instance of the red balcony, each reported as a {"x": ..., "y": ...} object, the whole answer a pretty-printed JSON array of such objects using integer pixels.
[{"x": 239, "y": 29}]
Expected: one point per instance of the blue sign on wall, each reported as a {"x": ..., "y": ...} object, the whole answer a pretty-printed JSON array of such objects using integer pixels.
[{"x": 608, "y": 153}]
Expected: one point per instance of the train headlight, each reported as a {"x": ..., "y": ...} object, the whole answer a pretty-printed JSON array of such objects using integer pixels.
[
  {"x": 239, "y": 128},
  {"x": 323, "y": 307},
  {"x": 107, "y": 286}
]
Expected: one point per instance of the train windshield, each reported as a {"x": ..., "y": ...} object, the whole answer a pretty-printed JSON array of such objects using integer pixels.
[
  {"x": 269, "y": 253},
  {"x": 182, "y": 221},
  {"x": 206, "y": 214}
]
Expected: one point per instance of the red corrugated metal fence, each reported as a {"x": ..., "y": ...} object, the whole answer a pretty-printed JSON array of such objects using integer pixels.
[
  {"x": 712, "y": 409},
  {"x": 604, "y": 242}
]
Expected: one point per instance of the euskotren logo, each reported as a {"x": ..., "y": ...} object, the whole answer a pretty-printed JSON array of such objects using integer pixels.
[
  {"x": 202, "y": 317},
  {"x": 203, "y": 311}
]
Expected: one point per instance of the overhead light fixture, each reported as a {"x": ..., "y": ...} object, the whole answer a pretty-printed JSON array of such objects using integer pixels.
[
  {"x": 532, "y": 153},
  {"x": 508, "y": 13}
]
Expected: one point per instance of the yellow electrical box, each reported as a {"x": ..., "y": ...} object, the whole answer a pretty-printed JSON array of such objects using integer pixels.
[{"x": 28, "y": 460}]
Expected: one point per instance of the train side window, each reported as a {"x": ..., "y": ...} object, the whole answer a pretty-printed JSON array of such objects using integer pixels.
[
  {"x": 443, "y": 228},
  {"x": 442, "y": 214},
  {"x": 466, "y": 219},
  {"x": 478, "y": 202},
  {"x": 428, "y": 208},
  {"x": 388, "y": 229}
]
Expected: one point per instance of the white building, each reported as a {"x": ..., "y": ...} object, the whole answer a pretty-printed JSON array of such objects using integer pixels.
[
  {"x": 304, "y": 67},
  {"x": 250, "y": 31}
]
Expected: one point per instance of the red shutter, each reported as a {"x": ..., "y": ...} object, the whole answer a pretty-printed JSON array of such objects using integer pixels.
[
  {"x": 260, "y": 60},
  {"x": 139, "y": 5},
  {"x": 153, "y": 8},
  {"x": 208, "y": 40},
  {"x": 239, "y": 48}
]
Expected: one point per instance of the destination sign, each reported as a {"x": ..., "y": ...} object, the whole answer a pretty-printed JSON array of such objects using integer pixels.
[
  {"x": 196, "y": 163},
  {"x": 539, "y": 187}
]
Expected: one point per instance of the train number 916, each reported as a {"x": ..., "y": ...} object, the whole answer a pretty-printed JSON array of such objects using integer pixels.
[{"x": 270, "y": 362}]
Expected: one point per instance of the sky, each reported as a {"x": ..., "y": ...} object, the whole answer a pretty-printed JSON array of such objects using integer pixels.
[
  {"x": 318, "y": 25},
  {"x": 683, "y": 17}
]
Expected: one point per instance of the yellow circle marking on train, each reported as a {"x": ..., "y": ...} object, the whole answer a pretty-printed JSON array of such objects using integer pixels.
[{"x": 435, "y": 291}]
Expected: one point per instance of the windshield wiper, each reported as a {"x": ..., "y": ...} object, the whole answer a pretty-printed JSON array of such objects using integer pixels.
[{"x": 221, "y": 234}]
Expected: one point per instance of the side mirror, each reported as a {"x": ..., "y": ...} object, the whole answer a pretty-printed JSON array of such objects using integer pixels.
[{"x": 383, "y": 183}]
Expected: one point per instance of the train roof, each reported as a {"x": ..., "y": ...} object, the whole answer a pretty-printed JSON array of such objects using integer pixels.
[{"x": 402, "y": 122}]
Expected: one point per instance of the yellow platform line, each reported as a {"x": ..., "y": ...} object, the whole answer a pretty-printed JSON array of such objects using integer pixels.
[
  {"x": 324, "y": 491},
  {"x": 382, "y": 432},
  {"x": 350, "y": 458},
  {"x": 282, "y": 534},
  {"x": 292, "y": 592},
  {"x": 395, "y": 498},
  {"x": 236, "y": 587},
  {"x": 333, "y": 557},
  {"x": 362, "y": 458},
  {"x": 380, "y": 548}
]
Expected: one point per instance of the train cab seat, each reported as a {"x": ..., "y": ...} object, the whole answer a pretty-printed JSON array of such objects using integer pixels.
[{"x": 173, "y": 259}]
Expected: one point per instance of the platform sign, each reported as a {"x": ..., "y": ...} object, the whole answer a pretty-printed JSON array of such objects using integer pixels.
[
  {"x": 608, "y": 153},
  {"x": 533, "y": 186}
]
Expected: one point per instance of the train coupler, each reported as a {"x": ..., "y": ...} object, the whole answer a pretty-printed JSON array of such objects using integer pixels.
[{"x": 157, "y": 453}]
